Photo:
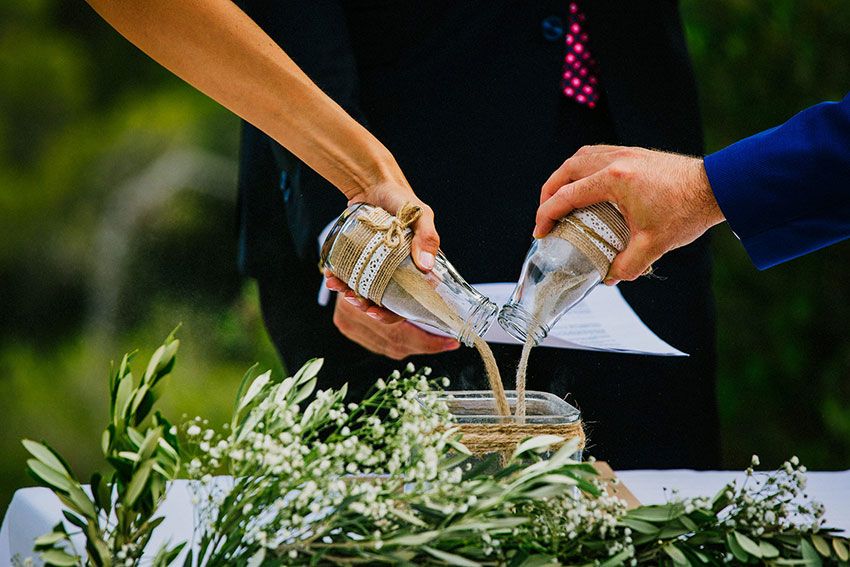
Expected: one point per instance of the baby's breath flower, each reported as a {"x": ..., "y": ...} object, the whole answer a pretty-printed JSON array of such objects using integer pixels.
[{"x": 296, "y": 483}]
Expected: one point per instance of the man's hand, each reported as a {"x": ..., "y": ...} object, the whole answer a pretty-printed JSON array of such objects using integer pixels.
[
  {"x": 665, "y": 198},
  {"x": 397, "y": 339}
]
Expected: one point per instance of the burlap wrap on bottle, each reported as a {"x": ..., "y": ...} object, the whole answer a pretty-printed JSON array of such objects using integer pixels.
[
  {"x": 599, "y": 231},
  {"x": 366, "y": 256}
]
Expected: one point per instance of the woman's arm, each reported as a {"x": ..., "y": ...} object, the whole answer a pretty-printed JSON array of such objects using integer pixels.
[{"x": 215, "y": 47}]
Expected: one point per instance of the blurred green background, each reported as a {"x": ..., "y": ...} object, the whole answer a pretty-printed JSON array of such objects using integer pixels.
[{"x": 117, "y": 191}]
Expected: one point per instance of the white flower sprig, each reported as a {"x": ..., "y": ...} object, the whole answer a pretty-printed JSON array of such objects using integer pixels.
[
  {"x": 387, "y": 481},
  {"x": 380, "y": 479},
  {"x": 311, "y": 480}
]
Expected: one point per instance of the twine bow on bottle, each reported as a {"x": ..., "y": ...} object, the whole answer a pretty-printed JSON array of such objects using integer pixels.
[
  {"x": 393, "y": 228},
  {"x": 368, "y": 244}
]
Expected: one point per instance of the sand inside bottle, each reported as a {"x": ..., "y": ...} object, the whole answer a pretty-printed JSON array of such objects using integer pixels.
[
  {"x": 427, "y": 301},
  {"x": 558, "y": 289}
]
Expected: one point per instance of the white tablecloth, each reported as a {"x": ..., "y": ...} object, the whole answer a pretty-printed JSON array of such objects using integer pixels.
[
  {"x": 831, "y": 488},
  {"x": 34, "y": 511}
]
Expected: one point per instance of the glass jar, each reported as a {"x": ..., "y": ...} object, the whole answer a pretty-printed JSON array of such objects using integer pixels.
[
  {"x": 485, "y": 431},
  {"x": 561, "y": 268},
  {"x": 370, "y": 250}
]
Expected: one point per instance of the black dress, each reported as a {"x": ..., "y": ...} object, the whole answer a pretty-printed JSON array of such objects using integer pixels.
[{"x": 465, "y": 95}]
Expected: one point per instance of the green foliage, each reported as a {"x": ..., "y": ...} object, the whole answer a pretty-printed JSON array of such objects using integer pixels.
[
  {"x": 733, "y": 528},
  {"x": 143, "y": 453},
  {"x": 382, "y": 482},
  {"x": 83, "y": 113}
]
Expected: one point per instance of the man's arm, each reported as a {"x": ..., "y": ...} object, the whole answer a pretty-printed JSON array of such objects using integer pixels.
[
  {"x": 218, "y": 49},
  {"x": 785, "y": 191}
]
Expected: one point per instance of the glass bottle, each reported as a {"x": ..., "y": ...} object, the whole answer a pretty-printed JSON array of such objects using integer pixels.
[
  {"x": 561, "y": 268},
  {"x": 369, "y": 249}
]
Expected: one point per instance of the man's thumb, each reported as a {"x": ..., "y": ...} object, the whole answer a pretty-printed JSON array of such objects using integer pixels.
[{"x": 629, "y": 264}]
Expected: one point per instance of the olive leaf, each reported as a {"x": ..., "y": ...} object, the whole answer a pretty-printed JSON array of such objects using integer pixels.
[
  {"x": 450, "y": 558},
  {"x": 840, "y": 549},
  {"x": 539, "y": 442},
  {"x": 58, "y": 558}
]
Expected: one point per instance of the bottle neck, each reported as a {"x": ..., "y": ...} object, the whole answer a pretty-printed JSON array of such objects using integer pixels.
[
  {"x": 520, "y": 324},
  {"x": 478, "y": 321}
]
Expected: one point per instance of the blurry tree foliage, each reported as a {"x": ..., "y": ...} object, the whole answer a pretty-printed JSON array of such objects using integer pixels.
[
  {"x": 783, "y": 333},
  {"x": 83, "y": 113}
]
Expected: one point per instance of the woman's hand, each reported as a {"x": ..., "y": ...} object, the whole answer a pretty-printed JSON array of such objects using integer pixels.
[
  {"x": 391, "y": 196},
  {"x": 214, "y": 46},
  {"x": 390, "y": 335}
]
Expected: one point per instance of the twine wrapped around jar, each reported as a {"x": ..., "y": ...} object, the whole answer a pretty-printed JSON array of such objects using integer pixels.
[
  {"x": 367, "y": 256},
  {"x": 485, "y": 430},
  {"x": 599, "y": 231},
  {"x": 481, "y": 438}
]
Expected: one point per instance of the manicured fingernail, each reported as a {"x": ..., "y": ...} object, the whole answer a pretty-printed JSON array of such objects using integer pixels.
[
  {"x": 451, "y": 344},
  {"x": 352, "y": 299},
  {"x": 610, "y": 282},
  {"x": 374, "y": 316},
  {"x": 426, "y": 260}
]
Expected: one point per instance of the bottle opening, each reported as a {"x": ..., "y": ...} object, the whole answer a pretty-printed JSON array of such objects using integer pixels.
[
  {"x": 519, "y": 323},
  {"x": 478, "y": 321}
]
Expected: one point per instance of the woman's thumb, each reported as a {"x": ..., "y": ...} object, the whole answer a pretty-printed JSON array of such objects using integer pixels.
[{"x": 426, "y": 241}]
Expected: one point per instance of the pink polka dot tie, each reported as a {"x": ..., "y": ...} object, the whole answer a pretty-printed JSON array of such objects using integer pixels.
[{"x": 579, "y": 81}]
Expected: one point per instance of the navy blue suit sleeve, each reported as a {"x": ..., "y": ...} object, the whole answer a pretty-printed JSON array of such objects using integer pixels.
[{"x": 786, "y": 191}]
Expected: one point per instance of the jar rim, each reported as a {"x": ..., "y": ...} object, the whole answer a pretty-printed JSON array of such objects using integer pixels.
[{"x": 559, "y": 411}]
